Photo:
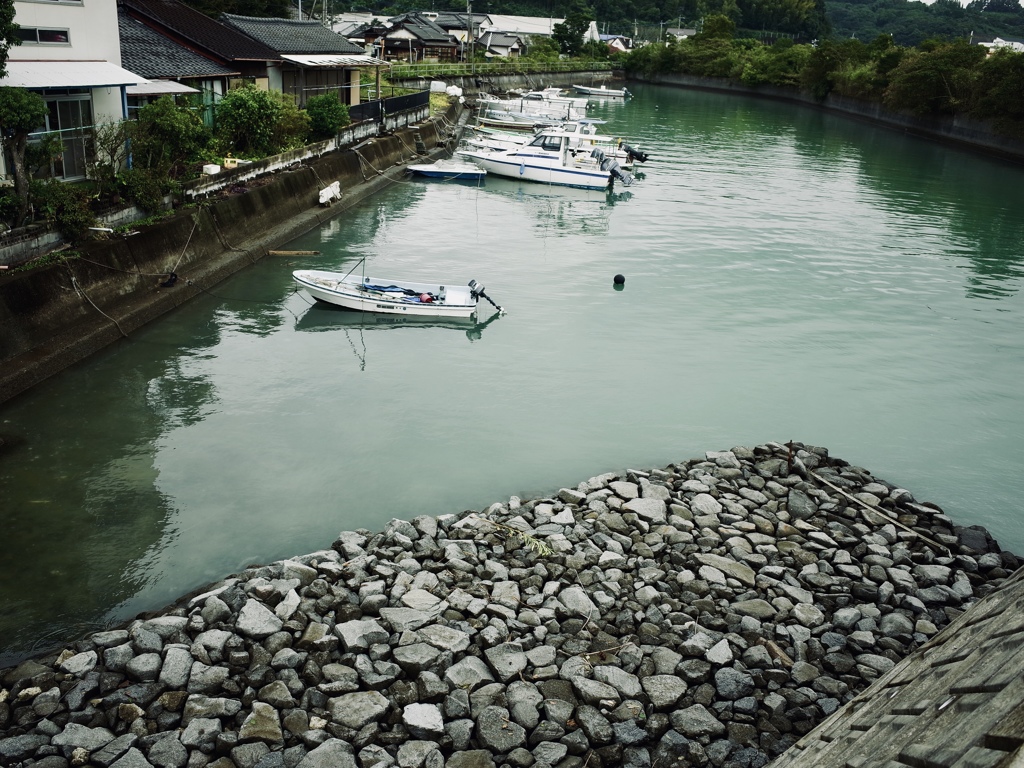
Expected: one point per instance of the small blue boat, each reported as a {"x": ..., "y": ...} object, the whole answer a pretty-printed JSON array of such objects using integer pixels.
[{"x": 449, "y": 169}]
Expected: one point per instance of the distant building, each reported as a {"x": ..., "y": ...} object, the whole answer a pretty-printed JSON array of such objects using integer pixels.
[
  {"x": 1013, "y": 43},
  {"x": 617, "y": 43}
]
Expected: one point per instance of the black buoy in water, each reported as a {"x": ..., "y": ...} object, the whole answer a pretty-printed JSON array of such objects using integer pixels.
[{"x": 619, "y": 280}]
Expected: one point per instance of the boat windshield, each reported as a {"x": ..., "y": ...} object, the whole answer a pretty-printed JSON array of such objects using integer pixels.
[{"x": 548, "y": 142}]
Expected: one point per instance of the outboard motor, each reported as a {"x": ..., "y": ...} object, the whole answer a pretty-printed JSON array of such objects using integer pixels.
[
  {"x": 615, "y": 172},
  {"x": 598, "y": 154},
  {"x": 476, "y": 290},
  {"x": 633, "y": 154}
]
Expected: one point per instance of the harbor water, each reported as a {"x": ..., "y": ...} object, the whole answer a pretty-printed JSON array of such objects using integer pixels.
[{"x": 789, "y": 274}]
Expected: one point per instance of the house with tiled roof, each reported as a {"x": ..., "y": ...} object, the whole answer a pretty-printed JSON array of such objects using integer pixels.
[
  {"x": 170, "y": 67},
  {"x": 501, "y": 44},
  {"x": 205, "y": 36},
  {"x": 413, "y": 37},
  {"x": 312, "y": 60}
]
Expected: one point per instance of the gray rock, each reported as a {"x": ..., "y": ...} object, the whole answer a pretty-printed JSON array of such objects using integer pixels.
[
  {"x": 595, "y": 692},
  {"x": 799, "y": 505},
  {"x": 736, "y": 570},
  {"x": 469, "y": 673},
  {"x": 113, "y": 750},
  {"x": 732, "y": 684},
  {"x": 471, "y": 758},
  {"x": 357, "y": 636},
  {"x": 663, "y": 690},
  {"x": 144, "y": 667},
  {"x": 333, "y": 753},
  {"x": 576, "y": 602},
  {"x": 497, "y": 732},
  {"x": 133, "y": 758},
  {"x": 594, "y": 725},
  {"x": 416, "y": 657},
  {"x": 507, "y": 660},
  {"x": 403, "y": 619},
  {"x": 80, "y": 663},
  {"x": 626, "y": 684},
  {"x": 176, "y": 667},
  {"x": 444, "y": 637},
  {"x": 424, "y": 721},
  {"x": 759, "y": 609},
  {"x": 651, "y": 510},
  {"x": 696, "y": 721},
  {"x": 257, "y": 621},
  {"x": 200, "y": 733},
  {"x": 17, "y": 748},
  {"x": 262, "y": 724},
  {"x": 75, "y": 735},
  {"x": 168, "y": 752},
  {"x": 354, "y": 710}
]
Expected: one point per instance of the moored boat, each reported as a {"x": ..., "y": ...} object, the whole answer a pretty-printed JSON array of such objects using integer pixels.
[
  {"x": 602, "y": 92},
  {"x": 581, "y": 133},
  {"x": 390, "y": 296},
  {"x": 448, "y": 169},
  {"x": 550, "y": 159}
]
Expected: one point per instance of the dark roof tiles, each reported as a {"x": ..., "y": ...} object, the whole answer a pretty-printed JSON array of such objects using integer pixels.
[
  {"x": 288, "y": 36},
  {"x": 200, "y": 31},
  {"x": 150, "y": 54}
]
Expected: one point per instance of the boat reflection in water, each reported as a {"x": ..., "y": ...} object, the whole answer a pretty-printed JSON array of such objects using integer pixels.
[
  {"x": 562, "y": 210},
  {"x": 324, "y": 317}
]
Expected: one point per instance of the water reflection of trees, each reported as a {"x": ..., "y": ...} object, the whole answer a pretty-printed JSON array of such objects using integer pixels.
[
  {"x": 978, "y": 201},
  {"x": 81, "y": 505}
]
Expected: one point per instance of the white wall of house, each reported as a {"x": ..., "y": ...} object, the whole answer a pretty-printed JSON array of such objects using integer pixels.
[{"x": 91, "y": 24}]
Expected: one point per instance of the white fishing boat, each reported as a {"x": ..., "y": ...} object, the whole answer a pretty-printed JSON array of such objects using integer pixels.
[
  {"x": 581, "y": 133},
  {"x": 602, "y": 92},
  {"x": 389, "y": 296},
  {"x": 448, "y": 169},
  {"x": 550, "y": 159}
]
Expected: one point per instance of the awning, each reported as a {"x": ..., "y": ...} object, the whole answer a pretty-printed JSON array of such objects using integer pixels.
[
  {"x": 329, "y": 60},
  {"x": 67, "y": 74},
  {"x": 159, "y": 88}
]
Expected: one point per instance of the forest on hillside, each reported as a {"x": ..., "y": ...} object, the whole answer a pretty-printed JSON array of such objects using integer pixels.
[{"x": 908, "y": 22}]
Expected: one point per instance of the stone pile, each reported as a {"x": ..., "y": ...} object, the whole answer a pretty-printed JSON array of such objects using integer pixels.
[{"x": 709, "y": 613}]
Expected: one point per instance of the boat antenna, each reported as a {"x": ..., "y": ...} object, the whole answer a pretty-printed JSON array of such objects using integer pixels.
[
  {"x": 361, "y": 261},
  {"x": 477, "y": 289}
]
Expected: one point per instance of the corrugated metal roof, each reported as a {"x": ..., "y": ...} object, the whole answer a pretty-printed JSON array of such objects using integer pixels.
[
  {"x": 67, "y": 74},
  {"x": 159, "y": 88},
  {"x": 333, "y": 60}
]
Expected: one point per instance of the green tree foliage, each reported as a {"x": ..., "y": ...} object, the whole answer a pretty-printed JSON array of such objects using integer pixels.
[
  {"x": 167, "y": 137},
  {"x": 541, "y": 49},
  {"x": 65, "y": 205},
  {"x": 998, "y": 89},
  {"x": 937, "y": 79},
  {"x": 246, "y": 121},
  {"x": 718, "y": 27},
  {"x": 292, "y": 127},
  {"x": 327, "y": 116},
  {"x": 21, "y": 112},
  {"x": 569, "y": 34},
  {"x": 8, "y": 33},
  {"x": 910, "y": 23}
]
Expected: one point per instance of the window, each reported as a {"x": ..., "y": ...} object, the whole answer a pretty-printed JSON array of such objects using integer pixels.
[
  {"x": 40, "y": 36},
  {"x": 69, "y": 116}
]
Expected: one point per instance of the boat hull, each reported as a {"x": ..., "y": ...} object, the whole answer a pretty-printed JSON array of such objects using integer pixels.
[
  {"x": 353, "y": 292},
  {"x": 448, "y": 170},
  {"x": 513, "y": 167}
]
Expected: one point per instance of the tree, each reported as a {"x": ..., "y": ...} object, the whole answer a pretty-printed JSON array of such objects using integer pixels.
[
  {"x": 8, "y": 33},
  {"x": 327, "y": 115},
  {"x": 21, "y": 112},
  {"x": 569, "y": 34},
  {"x": 246, "y": 118}
]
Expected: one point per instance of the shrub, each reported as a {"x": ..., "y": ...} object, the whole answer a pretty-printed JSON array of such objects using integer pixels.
[
  {"x": 168, "y": 136},
  {"x": 145, "y": 187},
  {"x": 66, "y": 205},
  {"x": 292, "y": 127},
  {"x": 246, "y": 121},
  {"x": 327, "y": 116}
]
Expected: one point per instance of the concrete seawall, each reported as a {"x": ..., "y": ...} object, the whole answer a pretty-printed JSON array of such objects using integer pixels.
[
  {"x": 958, "y": 130},
  {"x": 55, "y": 316}
]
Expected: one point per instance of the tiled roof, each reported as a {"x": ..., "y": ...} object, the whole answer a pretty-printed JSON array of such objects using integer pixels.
[
  {"x": 150, "y": 54},
  {"x": 499, "y": 39},
  {"x": 199, "y": 31},
  {"x": 291, "y": 36},
  {"x": 425, "y": 29}
]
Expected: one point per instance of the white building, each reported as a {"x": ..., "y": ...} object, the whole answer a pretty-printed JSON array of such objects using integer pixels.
[{"x": 71, "y": 56}]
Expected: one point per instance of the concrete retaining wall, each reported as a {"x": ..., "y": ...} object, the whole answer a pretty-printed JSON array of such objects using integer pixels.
[{"x": 54, "y": 316}]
